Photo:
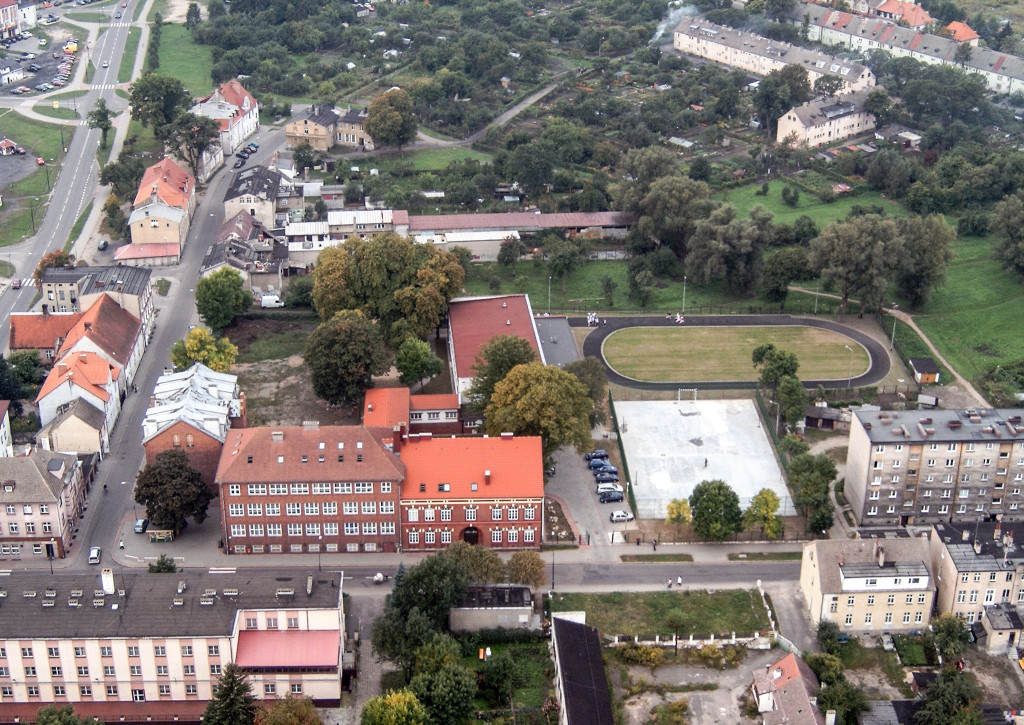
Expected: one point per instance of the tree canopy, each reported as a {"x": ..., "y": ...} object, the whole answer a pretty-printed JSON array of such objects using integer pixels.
[
  {"x": 764, "y": 514},
  {"x": 99, "y": 117},
  {"x": 391, "y": 120},
  {"x": 199, "y": 345},
  {"x": 233, "y": 702},
  {"x": 396, "y": 707},
  {"x": 172, "y": 491},
  {"x": 716, "y": 510},
  {"x": 493, "y": 362},
  {"x": 156, "y": 100},
  {"x": 416, "y": 361},
  {"x": 290, "y": 711},
  {"x": 220, "y": 297},
  {"x": 343, "y": 354},
  {"x": 526, "y": 567},
  {"x": 192, "y": 135},
  {"x": 856, "y": 256}
]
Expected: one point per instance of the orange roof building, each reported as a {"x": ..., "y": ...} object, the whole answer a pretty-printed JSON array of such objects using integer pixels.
[
  {"x": 110, "y": 332},
  {"x": 390, "y": 407},
  {"x": 83, "y": 375},
  {"x": 235, "y": 110},
  {"x": 905, "y": 11},
  {"x": 40, "y": 331},
  {"x": 166, "y": 182},
  {"x": 962, "y": 33}
]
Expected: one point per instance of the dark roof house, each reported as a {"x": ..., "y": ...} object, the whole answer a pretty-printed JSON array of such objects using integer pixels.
[{"x": 580, "y": 681}]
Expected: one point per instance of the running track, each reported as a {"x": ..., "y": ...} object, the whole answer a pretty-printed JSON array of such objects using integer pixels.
[{"x": 877, "y": 353}]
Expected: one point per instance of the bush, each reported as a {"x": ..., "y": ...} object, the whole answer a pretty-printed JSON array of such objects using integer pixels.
[{"x": 635, "y": 654}]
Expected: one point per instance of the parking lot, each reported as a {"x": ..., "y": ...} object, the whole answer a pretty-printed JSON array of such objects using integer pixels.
[
  {"x": 38, "y": 62},
  {"x": 574, "y": 484}
]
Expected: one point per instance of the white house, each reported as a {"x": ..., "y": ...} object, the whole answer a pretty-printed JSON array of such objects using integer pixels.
[
  {"x": 237, "y": 112},
  {"x": 83, "y": 375},
  {"x": 6, "y": 441}
]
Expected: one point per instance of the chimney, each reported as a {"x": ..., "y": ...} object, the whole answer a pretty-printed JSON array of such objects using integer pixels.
[
  {"x": 508, "y": 323},
  {"x": 107, "y": 579},
  {"x": 277, "y": 436},
  {"x": 830, "y": 717},
  {"x": 88, "y": 327},
  {"x": 996, "y": 532},
  {"x": 881, "y": 556},
  {"x": 310, "y": 425},
  {"x": 977, "y": 547},
  {"x": 487, "y": 477},
  {"x": 842, "y": 558},
  {"x": 369, "y": 407}
]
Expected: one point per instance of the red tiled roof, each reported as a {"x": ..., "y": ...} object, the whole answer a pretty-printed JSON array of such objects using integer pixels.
[
  {"x": 239, "y": 226},
  {"x": 475, "y": 321},
  {"x": 6, "y": 142},
  {"x": 35, "y": 331},
  {"x": 516, "y": 466},
  {"x": 296, "y": 441},
  {"x": 147, "y": 251},
  {"x": 999, "y": 64},
  {"x": 961, "y": 32},
  {"x": 234, "y": 93},
  {"x": 4, "y": 405},
  {"x": 913, "y": 14},
  {"x": 111, "y": 328},
  {"x": 283, "y": 648},
  {"x": 443, "y": 401},
  {"x": 916, "y": 41},
  {"x": 7, "y": 3},
  {"x": 386, "y": 407},
  {"x": 87, "y": 370},
  {"x": 173, "y": 184},
  {"x": 399, "y": 216},
  {"x": 519, "y": 220}
]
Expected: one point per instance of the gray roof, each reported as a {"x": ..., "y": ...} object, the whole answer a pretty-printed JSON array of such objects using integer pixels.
[
  {"x": 36, "y": 479},
  {"x": 83, "y": 410},
  {"x": 354, "y": 115},
  {"x": 924, "y": 365},
  {"x": 581, "y": 671},
  {"x": 857, "y": 552},
  {"x": 90, "y": 280},
  {"x": 322, "y": 115},
  {"x": 944, "y": 426},
  {"x": 255, "y": 181},
  {"x": 149, "y": 606},
  {"x": 557, "y": 341},
  {"x": 983, "y": 546},
  {"x": 1003, "y": 616},
  {"x": 827, "y": 108},
  {"x": 812, "y": 60},
  {"x": 162, "y": 211}
]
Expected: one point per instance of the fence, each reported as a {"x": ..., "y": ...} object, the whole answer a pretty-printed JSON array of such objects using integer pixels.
[
  {"x": 773, "y": 432},
  {"x": 757, "y": 640},
  {"x": 622, "y": 454},
  {"x": 801, "y": 304}
]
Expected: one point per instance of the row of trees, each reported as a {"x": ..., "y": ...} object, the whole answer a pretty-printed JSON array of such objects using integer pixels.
[{"x": 714, "y": 511}]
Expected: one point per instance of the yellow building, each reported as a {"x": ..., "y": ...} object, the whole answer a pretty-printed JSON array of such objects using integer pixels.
[
  {"x": 318, "y": 126},
  {"x": 824, "y": 121}
]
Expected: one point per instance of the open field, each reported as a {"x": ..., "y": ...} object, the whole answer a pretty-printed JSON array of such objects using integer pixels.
[
  {"x": 39, "y": 139},
  {"x": 745, "y": 198},
  {"x": 720, "y": 613},
  {"x": 182, "y": 58},
  {"x": 697, "y": 354},
  {"x": 47, "y": 109},
  {"x": 131, "y": 49}
]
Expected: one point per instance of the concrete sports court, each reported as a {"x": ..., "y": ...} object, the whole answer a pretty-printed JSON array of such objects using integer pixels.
[{"x": 671, "y": 446}]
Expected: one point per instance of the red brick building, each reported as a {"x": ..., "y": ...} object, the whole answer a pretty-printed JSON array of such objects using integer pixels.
[{"x": 388, "y": 407}]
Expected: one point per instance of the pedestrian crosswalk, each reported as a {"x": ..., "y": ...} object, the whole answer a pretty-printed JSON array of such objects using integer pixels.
[
  {"x": 105, "y": 87},
  {"x": 122, "y": 24},
  {"x": 23, "y": 282}
]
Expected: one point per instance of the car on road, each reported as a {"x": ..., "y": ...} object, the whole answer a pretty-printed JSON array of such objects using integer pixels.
[
  {"x": 16, "y": 284},
  {"x": 243, "y": 154},
  {"x": 95, "y": 553},
  {"x": 239, "y": 164},
  {"x": 611, "y": 497},
  {"x": 106, "y": 64},
  {"x": 599, "y": 453},
  {"x": 620, "y": 516},
  {"x": 141, "y": 525},
  {"x": 117, "y": 16},
  {"x": 607, "y": 487},
  {"x": 17, "y": 91}
]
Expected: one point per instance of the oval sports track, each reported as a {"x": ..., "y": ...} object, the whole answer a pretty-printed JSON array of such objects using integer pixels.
[{"x": 592, "y": 346}]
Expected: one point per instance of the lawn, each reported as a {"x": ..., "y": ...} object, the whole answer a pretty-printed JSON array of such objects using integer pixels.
[
  {"x": 275, "y": 345},
  {"x": 39, "y": 139},
  {"x": 745, "y": 198},
  {"x": 47, "y": 109},
  {"x": 535, "y": 666},
  {"x": 185, "y": 60},
  {"x": 724, "y": 353},
  {"x": 422, "y": 160},
  {"x": 631, "y": 613},
  {"x": 767, "y": 556},
  {"x": 633, "y": 558},
  {"x": 131, "y": 49},
  {"x": 89, "y": 17}
]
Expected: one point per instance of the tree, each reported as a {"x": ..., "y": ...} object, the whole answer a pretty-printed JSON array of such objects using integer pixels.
[
  {"x": 773, "y": 364},
  {"x": 99, "y": 117},
  {"x": 172, "y": 491},
  {"x": 778, "y": 9},
  {"x": 827, "y": 635},
  {"x": 163, "y": 565},
  {"x": 215, "y": 9},
  {"x": 199, "y": 345},
  {"x": 847, "y": 699},
  {"x": 716, "y": 510},
  {"x": 156, "y": 100},
  {"x": 233, "y": 702},
  {"x": 433, "y": 586},
  {"x": 590, "y": 372},
  {"x": 925, "y": 251},
  {"x": 394, "y": 708},
  {"x": 193, "y": 16},
  {"x": 828, "y": 85},
  {"x": 124, "y": 174},
  {"x": 700, "y": 169},
  {"x": 398, "y": 635},
  {"x": 1008, "y": 224},
  {"x": 564, "y": 258},
  {"x": 780, "y": 269},
  {"x": 951, "y": 636},
  {"x": 56, "y": 258},
  {"x": 953, "y": 694},
  {"x": 792, "y": 400},
  {"x": 220, "y": 297},
  {"x": 678, "y": 513},
  {"x": 541, "y": 400},
  {"x": 501, "y": 676},
  {"x": 879, "y": 105},
  {"x": 303, "y": 156},
  {"x": 391, "y": 120},
  {"x": 482, "y": 564},
  {"x": 415, "y": 361},
  {"x": 856, "y": 255},
  {"x": 827, "y": 667},
  {"x": 299, "y": 292},
  {"x": 531, "y": 166},
  {"x": 608, "y": 286},
  {"x": 963, "y": 53},
  {"x": 526, "y": 567},
  {"x": 343, "y": 354},
  {"x": 780, "y": 91},
  {"x": 793, "y": 446},
  {"x": 677, "y": 619},
  {"x": 723, "y": 247},
  {"x": 446, "y": 693},
  {"x": 494, "y": 361},
  {"x": 52, "y": 715},
  {"x": 510, "y": 251},
  {"x": 27, "y": 368},
  {"x": 763, "y": 513},
  {"x": 441, "y": 650},
  {"x": 10, "y": 387},
  {"x": 290, "y": 711},
  {"x": 192, "y": 135}
]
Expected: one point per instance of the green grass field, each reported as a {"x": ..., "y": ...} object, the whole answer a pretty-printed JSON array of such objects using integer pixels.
[
  {"x": 720, "y": 613},
  {"x": 745, "y": 198},
  {"x": 423, "y": 160},
  {"x": 85, "y": 17},
  {"x": 131, "y": 49},
  {"x": 723, "y": 353},
  {"x": 182, "y": 58},
  {"x": 47, "y": 109},
  {"x": 39, "y": 139}
]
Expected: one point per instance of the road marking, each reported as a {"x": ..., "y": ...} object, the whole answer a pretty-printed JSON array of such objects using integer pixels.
[
  {"x": 222, "y": 570},
  {"x": 6, "y": 572}
]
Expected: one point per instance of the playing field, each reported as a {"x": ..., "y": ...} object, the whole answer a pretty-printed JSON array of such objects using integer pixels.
[{"x": 698, "y": 354}]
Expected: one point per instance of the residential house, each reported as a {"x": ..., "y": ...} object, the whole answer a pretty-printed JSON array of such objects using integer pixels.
[
  {"x": 161, "y": 216},
  {"x": 237, "y": 112},
  {"x": 73, "y": 289},
  {"x": 869, "y": 585},
  {"x": 756, "y": 54},
  {"x": 254, "y": 190},
  {"x": 826, "y": 120},
  {"x": 962, "y": 33},
  {"x": 40, "y": 331},
  {"x": 581, "y": 684},
  {"x": 141, "y": 648},
  {"x": 907, "y": 467},
  {"x": 505, "y": 606},
  {"x": 192, "y": 411},
  {"x": 167, "y": 183},
  {"x": 8, "y": 19},
  {"x": 925, "y": 370},
  {"x": 244, "y": 245},
  {"x": 80, "y": 427},
  {"x": 596, "y": 224},
  {"x": 786, "y": 693},
  {"x": 112, "y": 333},
  {"x": 309, "y": 488},
  {"x": 42, "y": 495},
  {"x": 351, "y": 130},
  {"x": 9, "y": 75},
  {"x": 81, "y": 375},
  {"x": 474, "y": 321},
  {"x": 6, "y": 439},
  {"x": 317, "y": 126},
  {"x": 365, "y": 223},
  {"x": 481, "y": 490},
  {"x": 904, "y": 12}
]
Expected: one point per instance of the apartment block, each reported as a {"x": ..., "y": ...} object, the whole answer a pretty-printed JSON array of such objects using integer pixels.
[
  {"x": 824, "y": 121},
  {"x": 914, "y": 467},
  {"x": 866, "y": 585}
]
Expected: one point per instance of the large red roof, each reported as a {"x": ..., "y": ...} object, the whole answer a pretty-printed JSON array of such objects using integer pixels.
[
  {"x": 501, "y": 467},
  {"x": 111, "y": 328},
  {"x": 519, "y": 220},
  {"x": 386, "y": 407},
  {"x": 474, "y": 321},
  {"x": 962, "y": 32},
  {"x": 87, "y": 370},
  {"x": 440, "y": 401},
  {"x": 284, "y": 648},
  {"x": 35, "y": 331},
  {"x": 169, "y": 182}
]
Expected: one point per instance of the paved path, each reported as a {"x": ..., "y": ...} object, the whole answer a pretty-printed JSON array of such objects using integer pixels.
[
  {"x": 594, "y": 343},
  {"x": 840, "y": 529}
]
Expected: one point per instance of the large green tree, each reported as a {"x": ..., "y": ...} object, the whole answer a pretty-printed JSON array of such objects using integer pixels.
[
  {"x": 447, "y": 693},
  {"x": 926, "y": 250},
  {"x": 99, "y": 117},
  {"x": 199, "y": 345},
  {"x": 493, "y": 362},
  {"x": 724, "y": 248},
  {"x": 415, "y": 361},
  {"x": 847, "y": 699},
  {"x": 192, "y": 135},
  {"x": 541, "y": 400},
  {"x": 764, "y": 514},
  {"x": 951, "y": 699},
  {"x": 951, "y": 636},
  {"x": 526, "y": 567},
  {"x": 482, "y": 563},
  {"x": 290, "y": 711},
  {"x": 434, "y": 586},
  {"x": 394, "y": 708},
  {"x": 856, "y": 256},
  {"x": 220, "y": 298},
  {"x": 156, "y": 100},
  {"x": 343, "y": 354},
  {"x": 716, "y": 510},
  {"x": 124, "y": 175},
  {"x": 591, "y": 372},
  {"x": 780, "y": 91},
  {"x": 780, "y": 269},
  {"x": 233, "y": 702},
  {"x": 792, "y": 400},
  {"x": 397, "y": 635},
  {"x": 172, "y": 491},
  {"x": 52, "y": 715},
  {"x": 391, "y": 120},
  {"x": 565, "y": 257},
  {"x": 773, "y": 365},
  {"x": 1008, "y": 225},
  {"x": 531, "y": 166}
]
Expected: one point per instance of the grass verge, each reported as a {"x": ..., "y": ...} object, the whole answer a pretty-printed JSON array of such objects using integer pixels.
[
  {"x": 655, "y": 557},
  {"x": 745, "y": 198},
  {"x": 64, "y": 114},
  {"x": 39, "y": 139},
  {"x": 275, "y": 346},
  {"x": 76, "y": 230},
  {"x": 131, "y": 49},
  {"x": 182, "y": 58},
  {"x": 766, "y": 556},
  {"x": 6, "y": 269},
  {"x": 533, "y": 663},
  {"x": 89, "y": 17},
  {"x": 163, "y": 286}
]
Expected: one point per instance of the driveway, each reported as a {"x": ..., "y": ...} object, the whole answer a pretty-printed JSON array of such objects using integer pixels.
[
  {"x": 794, "y": 623},
  {"x": 573, "y": 483}
]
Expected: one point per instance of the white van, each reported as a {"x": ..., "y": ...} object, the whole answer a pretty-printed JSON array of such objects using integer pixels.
[
  {"x": 608, "y": 488},
  {"x": 271, "y": 300}
]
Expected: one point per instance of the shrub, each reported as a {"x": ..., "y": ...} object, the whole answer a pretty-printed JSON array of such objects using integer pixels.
[{"x": 635, "y": 654}]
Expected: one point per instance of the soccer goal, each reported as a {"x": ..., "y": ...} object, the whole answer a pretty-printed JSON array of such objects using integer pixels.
[{"x": 679, "y": 393}]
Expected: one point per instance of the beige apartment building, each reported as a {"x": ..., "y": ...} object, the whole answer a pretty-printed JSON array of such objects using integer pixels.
[
  {"x": 824, "y": 121},
  {"x": 134, "y": 647},
  {"x": 756, "y": 54},
  {"x": 869, "y": 585},
  {"x": 42, "y": 497},
  {"x": 907, "y": 467}
]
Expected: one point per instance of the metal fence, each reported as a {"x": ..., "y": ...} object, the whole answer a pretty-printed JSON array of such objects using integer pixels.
[{"x": 622, "y": 454}]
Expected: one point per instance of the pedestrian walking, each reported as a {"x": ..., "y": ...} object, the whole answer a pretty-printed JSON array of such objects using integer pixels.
[
  {"x": 638, "y": 541},
  {"x": 679, "y": 580},
  {"x": 669, "y": 584},
  {"x": 654, "y": 544},
  {"x": 705, "y": 463},
  {"x": 121, "y": 544}
]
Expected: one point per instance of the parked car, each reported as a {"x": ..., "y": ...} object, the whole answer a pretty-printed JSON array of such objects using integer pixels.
[
  {"x": 253, "y": 145},
  {"x": 620, "y": 516},
  {"x": 102, "y": 244},
  {"x": 606, "y": 478},
  {"x": 17, "y": 91},
  {"x": 35, "y": 67},
  {"x": 40, "y": 87},
  {"x": 604, "y": 469},
  {"x": 887, "y": 643},
  {"x": 141, "y": 525},
  {"x": 611, "y": 497},
  {"x": 95, "y": 553},
  {"x": 608, "y": 487},
  {"x": 243, "y": 154},
  {"x": 597, "y": 463},
  {"x": 239, "y": 164},
  {"x": 599, "y": 453}
]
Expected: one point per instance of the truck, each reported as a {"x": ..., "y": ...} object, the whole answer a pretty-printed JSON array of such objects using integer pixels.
[{"x": 271, "y": 300}]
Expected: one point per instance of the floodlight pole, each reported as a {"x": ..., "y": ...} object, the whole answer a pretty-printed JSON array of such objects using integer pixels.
[
  {"x": 684, "y": 295},
  {"x": 849, "y": 376}
]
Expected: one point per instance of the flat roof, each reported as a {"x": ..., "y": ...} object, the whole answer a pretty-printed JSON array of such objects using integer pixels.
[
  {"x": 943, "y": 426},
  {"x": 288, "y": 649}
]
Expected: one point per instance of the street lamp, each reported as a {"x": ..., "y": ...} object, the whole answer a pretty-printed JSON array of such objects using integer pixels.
[
  {"x": 62, "y": 144},
  {"x": 549, "y": 294},
  {"x": 849, "y": 376},
  {"x": 684, "y": 295},
  {"x": 46, "y": 167},
  {"x": 319, "y": 547},
  {"x": 892, "y": 340},
  {"x": 816, "y": 288},
  {"x": 552, "y": 570},
  {"x": 32, "y": 213}
]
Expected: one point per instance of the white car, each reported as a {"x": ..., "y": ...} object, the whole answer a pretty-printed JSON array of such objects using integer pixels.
[
  {"x": 609, "y": 487},
  {"x": 617, "y": 517},
  {"x": 106, "y": 64},
  {"x": 94, "y": 555}
]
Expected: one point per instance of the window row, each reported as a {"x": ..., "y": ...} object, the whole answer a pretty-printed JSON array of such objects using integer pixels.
[
  {"x": 498, "y": 513},
  {"x": 351, "y": 528},
  {"x": 328, "y": 508},
  {"x": 498, "y": 536},
  {"x": 138, "y": 695},
  {"x": 159, "y": 650},
  {"x": 27, "y": 509},
  {"x": 109, "y": 671},
  {"x": 283, "y": 489},
  {"x": 918, "y": 618}
]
